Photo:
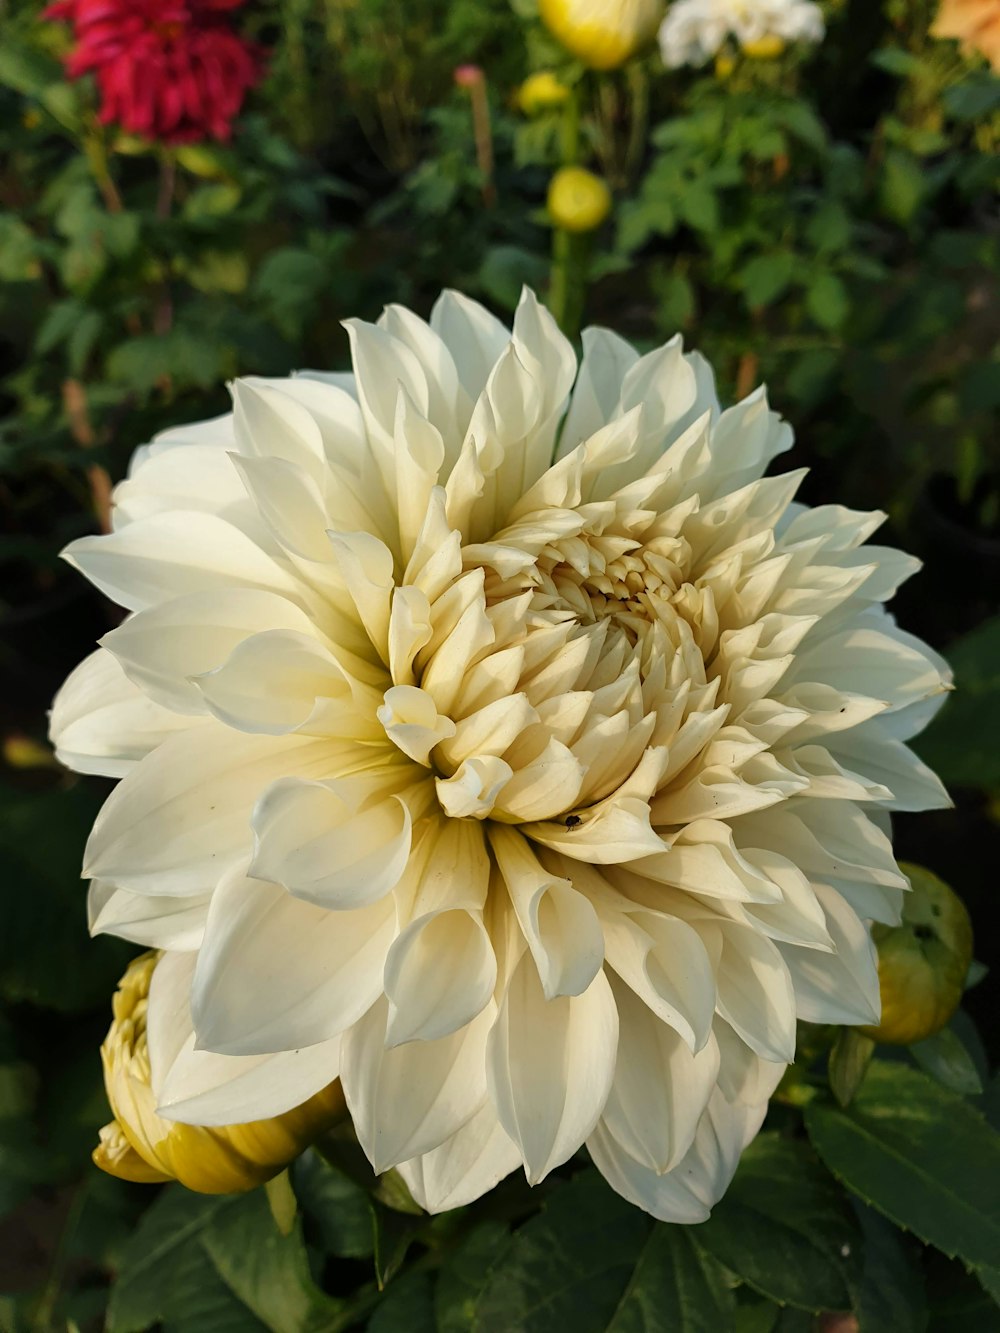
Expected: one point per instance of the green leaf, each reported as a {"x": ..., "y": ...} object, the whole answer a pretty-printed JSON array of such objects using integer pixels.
[
  {"x": 464, "y": 1276},
  {"x": 973, "y": 97},
  {"x": 26, "y": 69},
  {"x": 921, "y": 1155},
  {"x": 166, "y": 1274},
  {"x": 506, "y": 269},
  {"x": 291, "y": 283},
  {"x": 566, "y": 1268},
  {"x": 212, "y": 201},
  {"x": 267, "y": 1271},
  {"x": 766, "y": 278},
  {"x": 827, "y": 301},
  {"x": 676, "y": 1288},
  {"x": 698, "y": 206},
  {"x": 58, "y": 324},
  {"x": 945, "y": 1058},
  {"x": 784, "y": 1228},
  {"x": 960, "y": 744},
  {"x": 406, "y": 1307},
  {"x": 891, "y": 1296},
  {"x": 903, "y": 186},
  {"x": 335, "y": 1205},
  {"x": 894, "y": 60},
  {"x": 217, "y": 271}
]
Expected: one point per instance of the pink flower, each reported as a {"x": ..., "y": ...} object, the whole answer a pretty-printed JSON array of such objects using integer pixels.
[{"x": 169, "y": 70}]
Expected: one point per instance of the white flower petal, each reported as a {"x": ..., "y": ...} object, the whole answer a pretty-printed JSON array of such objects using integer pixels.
[
  {"x": 428, "y": 1000},
  {"x": 407, "y": 1100},
  {"x": 465, "y": 1166},
  {"x": 181, "y": 817},
  {"x": 550, "y": 1064},
  {"x": 102, "y": 723},
  {"x": 660, "y": 1089},
  {"x": 315, "y": 972},
  {"x": 167, "y": 555},
  {"x": 157, "y": 923}
]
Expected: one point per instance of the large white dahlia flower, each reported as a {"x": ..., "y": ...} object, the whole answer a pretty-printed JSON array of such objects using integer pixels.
[
  {"x": 695, "y": 30},
  {"x": 493, "y": 734}
]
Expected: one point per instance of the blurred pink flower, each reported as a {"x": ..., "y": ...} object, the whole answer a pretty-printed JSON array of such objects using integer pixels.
[{"x": 169, "y": 70}]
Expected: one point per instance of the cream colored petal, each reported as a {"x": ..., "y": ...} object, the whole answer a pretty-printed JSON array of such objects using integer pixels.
[
  {"x": 315, "y": 972},
  {"x": 408, "y": 1100},
  {"x": 311, "y": 838},
  {"x": 465, "y": 1166},
  {"x": 550, "y": 1064},
  {"x": 102, "y": 723},
  {"x": 559, "y": 924},
  {"x": 660, "y": 1089}
]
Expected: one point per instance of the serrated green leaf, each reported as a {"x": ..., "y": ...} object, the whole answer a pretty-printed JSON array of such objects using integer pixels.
[
  {"x": 167, "y": 1276},
  {"x": 891, "y": 1296},
  {"x": 676, "y": 1288},
  {"x": 464, "y": 1276},
  {"x": 566, "y": 1268},
  {"x": 784, "y": 1228},
  {"x": 267, "y": 1271},
  {"x": 921, "y": 1155}
]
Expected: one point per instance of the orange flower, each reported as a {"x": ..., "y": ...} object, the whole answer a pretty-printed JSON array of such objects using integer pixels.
[{"x": 974, "y": 23}]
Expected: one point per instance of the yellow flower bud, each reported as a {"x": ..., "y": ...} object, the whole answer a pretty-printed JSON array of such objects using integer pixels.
[
  {"x": 724, "y": 66},
  {"x": 541, "y": 92},
  {"x": 578, "y": 200},
  {"x": 141, "y": 1146},
  {"x": 602, "y": 33},
  {"x": 768, "y": 47},
  {"x": 923, "y": 962}
]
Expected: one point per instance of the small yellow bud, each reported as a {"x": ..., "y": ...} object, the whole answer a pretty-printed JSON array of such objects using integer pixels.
[
  {"x": 578, "y": 200},
  {"x": 541, "y": 92},
  {"x": 141, "y": 1146},
  {"x": 724, "y": 66},
  {"x": 923, "y": 962},
  {"x": 602, "y": 33},
  {"x": 768, "y": 47},
  {"x": 23, "y": 752}
]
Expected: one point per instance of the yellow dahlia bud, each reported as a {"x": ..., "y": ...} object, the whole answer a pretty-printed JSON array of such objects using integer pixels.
[
  {"x": 141, "y": 1146},
  {"x": 923, "y": 962},
  {"x": 541, "y": 92},
  {"x": 768, "y": 47},
  {"x": 724, "y": 66},
  {"x": 578, "y": 200},
  {"x": 602, "y": 33}
]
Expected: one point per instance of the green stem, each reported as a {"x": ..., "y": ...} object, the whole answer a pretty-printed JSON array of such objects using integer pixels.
[
  {"x": 97, "y": 158},
  {"x": 638, "y": 83},
  {"x": 566, "y": 279}
]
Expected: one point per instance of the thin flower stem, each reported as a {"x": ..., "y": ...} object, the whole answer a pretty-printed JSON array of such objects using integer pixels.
[
  {"x": 482, "y": 130},
  {"x": 566, "y": 280},
  {"x": 97, "y": 159},
  {"x": 75, "y": 403},
  {"x": 638, "y": 84}
]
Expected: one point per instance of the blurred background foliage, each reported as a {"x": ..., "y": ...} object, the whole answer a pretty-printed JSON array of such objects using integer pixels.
[{"x": 824, "y": 220}]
